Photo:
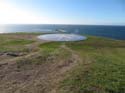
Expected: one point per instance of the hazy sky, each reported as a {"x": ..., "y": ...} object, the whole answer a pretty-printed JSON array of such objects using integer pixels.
[{"x": 105, "y": 12}]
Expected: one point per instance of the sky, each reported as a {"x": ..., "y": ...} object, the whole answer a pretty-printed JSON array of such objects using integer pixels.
[{"x": 93, "y": 12}]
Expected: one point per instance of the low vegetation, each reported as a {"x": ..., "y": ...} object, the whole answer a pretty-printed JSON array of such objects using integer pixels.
[
  {"x": 92, "y": 66},
  {"x": 101, "y": 69},
  {"x": 15, "y": 42}
]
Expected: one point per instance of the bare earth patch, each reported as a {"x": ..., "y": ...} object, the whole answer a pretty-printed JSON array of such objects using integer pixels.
[
  {"x": 29, "y": 65},
  {"x": 34, "y": 78}
]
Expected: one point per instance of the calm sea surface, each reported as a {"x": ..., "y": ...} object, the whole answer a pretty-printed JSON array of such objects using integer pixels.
[{"x": 115, "y": 32}]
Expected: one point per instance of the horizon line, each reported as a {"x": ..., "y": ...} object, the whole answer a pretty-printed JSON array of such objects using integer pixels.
[{"x": 61, "y": 24}]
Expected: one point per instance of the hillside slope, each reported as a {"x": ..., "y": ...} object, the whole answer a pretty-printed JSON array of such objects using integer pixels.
[{"x": 28, "y": 65}]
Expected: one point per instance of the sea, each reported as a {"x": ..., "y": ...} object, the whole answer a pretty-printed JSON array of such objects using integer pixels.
[{"x": 113, "y": 32}]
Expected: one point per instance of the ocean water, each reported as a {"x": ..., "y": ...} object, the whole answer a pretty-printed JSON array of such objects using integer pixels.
[{"x": 114, "y": 32}]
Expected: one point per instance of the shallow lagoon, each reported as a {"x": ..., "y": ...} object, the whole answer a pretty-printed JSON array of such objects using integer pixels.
[{"x": 62, "y": 37}]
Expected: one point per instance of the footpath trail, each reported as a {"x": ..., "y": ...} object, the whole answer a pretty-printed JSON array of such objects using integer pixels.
[{"x": 35, "y": 78}]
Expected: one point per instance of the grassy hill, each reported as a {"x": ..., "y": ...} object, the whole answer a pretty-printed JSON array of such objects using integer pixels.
[{"x": 29, "y": 65}]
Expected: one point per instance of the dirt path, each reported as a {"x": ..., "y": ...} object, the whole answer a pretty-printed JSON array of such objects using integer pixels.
[{"x": 32, "y": 78}]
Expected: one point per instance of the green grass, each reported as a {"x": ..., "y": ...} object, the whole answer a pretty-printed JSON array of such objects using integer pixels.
[
  {"x": 55, "y": 48},
  {"x": 17, "y": 42},
  {"x": 43, "y": 57},
  {"x": 36, "y": 59},
  {"x": 8, "y": 43},
  {"x": 104, "y": 75},
  {"x": 50, "y": 46},
  {"x": 102, "y": 69}
]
